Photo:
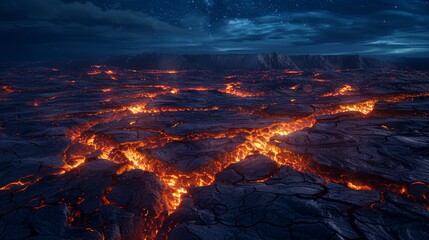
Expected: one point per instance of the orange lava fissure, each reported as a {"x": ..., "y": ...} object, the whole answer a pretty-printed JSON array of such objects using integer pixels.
[{"x": 257, "y": 141}]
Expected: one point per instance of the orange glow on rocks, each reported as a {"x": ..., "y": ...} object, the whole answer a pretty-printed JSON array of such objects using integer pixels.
[
  {"x": 294, "y": 72},
  {"x": 106, "y": 89},
  {"x": 13, "y": 184},
  {"x": 134, "y": 120},
  {"x": 235, "y": 89},
  {"x": 162, "y": 71},
  {"x": 110, "y": 72},
  {"x": 295, "y": 87},
  {"x": 230, "y": 77},
  {"x": 258, "y": 141},
  {"x": 8, "y": 89},
  {"x": 359, "y": 187},
  {"x": 94, "y": 72},
  {"x": 202, "y": 89},
  {"x": 139, "y": 108},
  {"x": 344, "y": 90},
  {"x": 363, "y": 107}
]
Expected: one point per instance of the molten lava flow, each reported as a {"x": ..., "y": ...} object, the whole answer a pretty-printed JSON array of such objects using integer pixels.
[
  {"x": 316, "y": 78},
  {"x": 110, "y": 72},
  {"x": 168, "y": 89},
  {"x": 99, "y": 69},
  {"x": 363, "y": 107},
  {"x": 359, "y": 187},
  {"x": 87, "y": 145},
  {"x": 202, "y": 89},
  {"x": 345, "y": 89},
  {"x": 106, "y": 89},
  {"x": 294, "y": 72},
  {"x": 294, "y": 87},
  {"x": 8, "y": 89},
  {"x": 140, "y": 108},
  {"x": 257, "y": 141},
  {"x": 14, "y": 184},
  {"x": 162, "y": 71},
  {"x": 235, "y": 89},
  {"x": 368, "y": 106},
  {"x": 93, "y": 72}
]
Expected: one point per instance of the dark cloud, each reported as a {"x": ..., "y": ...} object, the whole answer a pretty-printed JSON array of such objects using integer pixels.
[
  {"x": 33, "y": 28},
  {"x": 84, "y": 14},
  {"x": 50, "y": 26}
]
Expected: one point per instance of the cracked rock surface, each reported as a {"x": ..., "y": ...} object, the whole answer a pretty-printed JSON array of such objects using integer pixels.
[
  {"x": 293, "y": 205},
  {"x": 389, "y": 147},
  {"x": 106, "y": 153},
  {"x": 88, "y": 202},
  {"x": 191, "y": 155}
]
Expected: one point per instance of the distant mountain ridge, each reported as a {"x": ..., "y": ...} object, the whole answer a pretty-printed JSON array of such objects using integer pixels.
[
  {"x": 411, "y": 63},
  {"x": 263, "y": 61}
]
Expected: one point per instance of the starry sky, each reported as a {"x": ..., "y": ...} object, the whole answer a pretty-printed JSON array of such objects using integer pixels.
[{"x": 33, "y": 29}]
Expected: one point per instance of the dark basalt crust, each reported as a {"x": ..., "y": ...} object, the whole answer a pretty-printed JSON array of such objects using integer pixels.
[
  {"x": 292, "y": 205},
  {"x": 107, "y": 153}
]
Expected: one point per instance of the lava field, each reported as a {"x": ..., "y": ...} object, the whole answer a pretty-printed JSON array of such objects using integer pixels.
[{"x": 112, "y": 153}]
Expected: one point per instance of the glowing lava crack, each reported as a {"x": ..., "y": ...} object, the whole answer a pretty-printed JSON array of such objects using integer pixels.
[
  {"x": 257, "y": 141},
  {"x": 170, "y": 152}
]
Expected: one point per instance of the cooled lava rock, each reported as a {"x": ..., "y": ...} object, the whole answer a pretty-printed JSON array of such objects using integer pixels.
[
  {"x": 293, "y": 205},
  {"x": 101, "y": 152},
  {"x": 89, "y": 202},
  {"x": 252, "y": 168},
  {"x": 189, "y": 156},
  {"x": 393, "y": 148}
]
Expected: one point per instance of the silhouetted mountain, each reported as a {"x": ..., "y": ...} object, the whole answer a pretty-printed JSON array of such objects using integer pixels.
[
  {"x": 412, "y": 63},
  {"x": 245, "y": 62}
]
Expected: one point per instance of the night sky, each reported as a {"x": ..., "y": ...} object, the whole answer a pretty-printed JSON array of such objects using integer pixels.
[{"x": 32, "y": 29}]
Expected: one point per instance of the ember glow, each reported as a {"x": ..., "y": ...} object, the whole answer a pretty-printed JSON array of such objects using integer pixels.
[
  {"x": 235, "y": 90},
  {"x": 163, "y": 71},
  {"x": 258, "y": 141},
  {"x": 162, "y": 125},
  {"x": 94, "y": 72},
  {"x": 360, "y": 187},
  {"x": 294, "y": 72},
  {"x": 345, "y": 89},
  {"x": 214, "y": 119},
  {"x": 8, "y": 89}
]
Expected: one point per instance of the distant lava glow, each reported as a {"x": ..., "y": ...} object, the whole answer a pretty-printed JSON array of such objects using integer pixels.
[
  {"x": 359, "y": 187},
  {"x": 257, "y": 141},
  {"x": 87, "y": 144},
  {"x": 344, "y": 90},
  {"x": 235, "y": 89}
]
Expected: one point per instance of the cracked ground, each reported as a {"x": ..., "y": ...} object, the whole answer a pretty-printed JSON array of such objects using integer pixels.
[{"x": 108, "y": 153}]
